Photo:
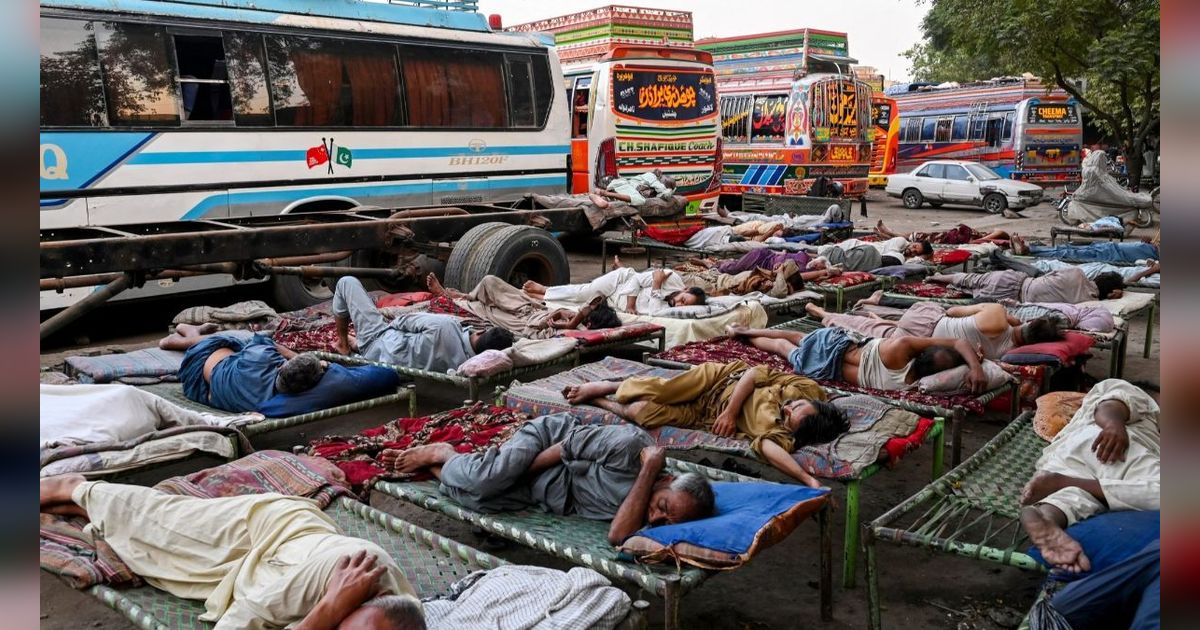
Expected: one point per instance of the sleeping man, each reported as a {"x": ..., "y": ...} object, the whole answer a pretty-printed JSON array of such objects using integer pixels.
[
  {"x": 256, "y": 561},
  {"x": 987, "y": 327},
  {"x": 1106, "y": 458},
  {"x": 505, "y": 306},
  {"x": 232, "y": 373},
  {"x": 637, "y": 292},
  {"x": 777, "y": 411},
  {"x": 1069, "y": 286},
  {"x": 599, "y": 472},
  {"x": 835, "y": 354}
]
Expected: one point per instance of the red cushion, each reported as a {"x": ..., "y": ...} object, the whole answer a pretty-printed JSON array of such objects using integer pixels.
[
  {"x": 848, "y": 279},
  {"x": 1065, "y": 351},
  {"x": 601, "y": 335},
  {"x": 403, "y": 299},
  {"x": 676, "y": 233},
  {"x": 950, "y": 256}
]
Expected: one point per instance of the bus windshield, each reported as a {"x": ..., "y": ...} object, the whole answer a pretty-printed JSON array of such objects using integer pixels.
[
  {"x": 657, "y": 95},
  {"x": 981, "y": 172}
]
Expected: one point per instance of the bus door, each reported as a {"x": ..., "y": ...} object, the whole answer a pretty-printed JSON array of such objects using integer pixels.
[{"x": 580, "y": 102}]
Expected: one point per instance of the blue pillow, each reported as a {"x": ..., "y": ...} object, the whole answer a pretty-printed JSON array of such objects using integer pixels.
[
  {"x": 1108, "y": 539},
  {"x": 339, "y": 385},
  {"x": 742, "y": 509}
]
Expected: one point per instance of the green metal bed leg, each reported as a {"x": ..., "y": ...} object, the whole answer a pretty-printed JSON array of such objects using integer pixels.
[
  {"x": 671, "y": 602},
  {"x": 1014, "y": 402},
  {"x": 939, "y": 450},
  {"x": 473, "y": 390},
  {"x": 1149, "y": 330},
  {"x": 850, "y": 547},
  {"x": 957, "y": 417},
  {"x": 1113, "y": 362},
  {"x": 824, "y": 520},
  {"x": 412, "y": 401},
  {"x": 662, "y": 341},
  {"x": 873, "y": 613}
]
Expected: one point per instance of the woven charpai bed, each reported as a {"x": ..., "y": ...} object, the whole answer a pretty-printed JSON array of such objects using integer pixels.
[
  {"x": 432, "y": 563},
  {"x": 543, "y": 396},
  {"x": 585, "y": 542},
  {"x": 972, "y": 511}
]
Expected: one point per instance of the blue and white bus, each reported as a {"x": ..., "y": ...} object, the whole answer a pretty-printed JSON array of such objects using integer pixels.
[
  {"x": 164, "y": 110},
  {"x": 1019, "y": 128}
]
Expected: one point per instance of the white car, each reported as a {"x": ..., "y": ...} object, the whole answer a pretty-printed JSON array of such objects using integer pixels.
[{"x": 959, "y": 182}]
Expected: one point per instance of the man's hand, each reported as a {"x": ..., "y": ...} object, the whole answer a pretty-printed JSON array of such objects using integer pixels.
[
  {"x": 1112, "y": 443},
  {"x": 355, "y": 580},
  {"x": 725, "y": 425},
  {"x": 654, "y": 457},
  {"x": 977, "y": 380}
]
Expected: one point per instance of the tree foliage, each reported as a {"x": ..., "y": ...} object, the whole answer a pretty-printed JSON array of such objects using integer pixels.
[{"x": 1111, "y": 45}]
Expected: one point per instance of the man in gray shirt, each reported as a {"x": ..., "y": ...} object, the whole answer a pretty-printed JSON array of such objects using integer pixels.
[
  {"x": 599, "y": 472},
  {"x": 425, "y": 341}
]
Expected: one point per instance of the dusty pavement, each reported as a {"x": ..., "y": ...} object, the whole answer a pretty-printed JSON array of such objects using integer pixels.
[{"x": 778, "y": 589}]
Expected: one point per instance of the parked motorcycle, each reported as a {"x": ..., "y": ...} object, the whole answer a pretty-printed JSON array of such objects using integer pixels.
[{"x": 1100, "y": 195}]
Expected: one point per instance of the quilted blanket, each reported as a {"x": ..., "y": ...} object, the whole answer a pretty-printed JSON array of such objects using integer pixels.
[
  {"x": 929, "y": 290},
  {"x": 725, "y": 349},
  {"x": 847, "y": 279},
  {"x": 543, "y": 396},
  {"x": 605, "y": 335},
  {"x": 951, "y": 256},
  {"x": 468, "y": 429}
]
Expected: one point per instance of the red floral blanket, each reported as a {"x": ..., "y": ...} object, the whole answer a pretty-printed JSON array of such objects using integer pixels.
[
  {"x": 847, "y": 279},
  {"x": 468, "y": 429},
  {"x": 950, "y": 256},
  {"x": 930, "y": 290},
  {"x": 673, "y": 234}
]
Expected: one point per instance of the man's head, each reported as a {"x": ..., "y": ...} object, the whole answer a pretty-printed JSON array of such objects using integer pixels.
[
  {"x": 664, "y": 179},
  {"x": 491, "y": 339},
  {"x": 386, "y": 612},
  {"x": 1110, "y": 285},
  {"x": 602, "y": 316},
  {"x": 687, "y": 497},
  {"x": 919, "y": 249},
  {"x": 691, "y": 296},
  {"x": 936, "y": 359},
  {"x": 299, "y": 374},
  {"x": 1041, "y": 330},
  {"x": 813, "y": 421}
]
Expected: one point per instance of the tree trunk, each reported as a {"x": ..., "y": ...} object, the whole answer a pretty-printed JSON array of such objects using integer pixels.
[{"x": 1133, "y": 163}]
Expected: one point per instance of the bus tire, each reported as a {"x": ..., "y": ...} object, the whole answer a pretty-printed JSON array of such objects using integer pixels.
[
  {"x": 292, "y": 293},
  {"x": 994, "y": 203},
  {"x": 912, "y": 198},
  {"x": 519, "y": 253},
  {"x": 464, "y": 250}
]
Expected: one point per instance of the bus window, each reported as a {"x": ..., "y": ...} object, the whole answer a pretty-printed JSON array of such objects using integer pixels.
[
  {"x": 72, "y": 93},
  {"x": 960, "y": 128},
  {"x": 453, "y": 88},
  {"x": 1008, "y": 125},
  {"x": 579, "y": 107},
  {"x": 767, "y": 124},
  {"x": 139, "y": 82},
  {"x": 942, "y": 134},
  {"x": 995, "y": 125},
  {"x": 543, "y": 89},
  {"x": 912, "y": 130},
  {"x": 927, "y": 127},
  {"x": 520, "y": 90},
  {"x": 203, "y": 78},
  {"x": 735, "y": 118},
  {"x": 325, "y": 82},
  {"x": 248, "y": 79}
]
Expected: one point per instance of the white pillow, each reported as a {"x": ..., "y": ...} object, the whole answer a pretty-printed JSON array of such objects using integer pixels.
[{"x": 952, "y": 381}]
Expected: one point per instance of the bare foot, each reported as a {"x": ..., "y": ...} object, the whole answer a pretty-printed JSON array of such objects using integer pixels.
[
  {"x": 533, "y": 288},
  {"x": 578, "y": 394},
  {"x": 598, "y": 201},
  {"x": 874, "y": 299},
  {"x": 413, "y": 459},
  {"x": 57, "y": 490},
  {"x": 1041, "y": 486},
  {"x": 1059, "y": 549},
  {"x": 434, "y": 285},
  {"x": 880, "y": 227}
]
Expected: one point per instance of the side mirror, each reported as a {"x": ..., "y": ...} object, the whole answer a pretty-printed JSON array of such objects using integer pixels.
[{"x": 971, "y": 178}]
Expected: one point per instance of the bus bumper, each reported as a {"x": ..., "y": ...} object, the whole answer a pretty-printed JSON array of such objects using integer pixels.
[{"x": 877, "y": 181}]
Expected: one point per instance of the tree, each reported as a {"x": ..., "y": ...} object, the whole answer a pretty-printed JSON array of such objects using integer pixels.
[{"x": 1111, "y": 45}]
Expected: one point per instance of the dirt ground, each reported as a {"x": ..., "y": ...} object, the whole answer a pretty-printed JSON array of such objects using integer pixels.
[{"x": 779, "y": 588}]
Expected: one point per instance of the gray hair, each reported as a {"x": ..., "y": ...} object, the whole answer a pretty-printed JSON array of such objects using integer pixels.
[
  {"x": 700, "y": 490},
  {"x": 403, "y": 612}
]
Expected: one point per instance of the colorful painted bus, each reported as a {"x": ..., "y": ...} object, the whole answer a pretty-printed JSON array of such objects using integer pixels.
[
  {"x": 639, "y": 109},
  {"x": 641, "y": 98},
  {"x": 885, "y": 146},
  {"x": 205, "y": 109},
  {"x": 1019, "y": 128},
  {"x": 790, "y": 113}
]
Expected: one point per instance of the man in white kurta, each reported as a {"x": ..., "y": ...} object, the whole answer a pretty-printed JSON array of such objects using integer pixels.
[
  {"x": 1106, "y": 458},
  {"x": 257, "y": 561}
]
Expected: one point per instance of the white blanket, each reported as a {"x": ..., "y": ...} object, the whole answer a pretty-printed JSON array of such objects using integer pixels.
[
  {"x": 681, "y": 331},
  {"x": 96, "y": 414},
  {"x": 1129, "y": 303},
  {"x": 516, "y": 597}
]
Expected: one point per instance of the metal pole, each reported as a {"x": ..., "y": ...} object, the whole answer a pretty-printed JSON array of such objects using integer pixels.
[
  {"x": 75, "y": 282},
  {"x": 825, "y": 521},
  {"x": 333, "y": 272},
  {"x": 80, "y": 308}
]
